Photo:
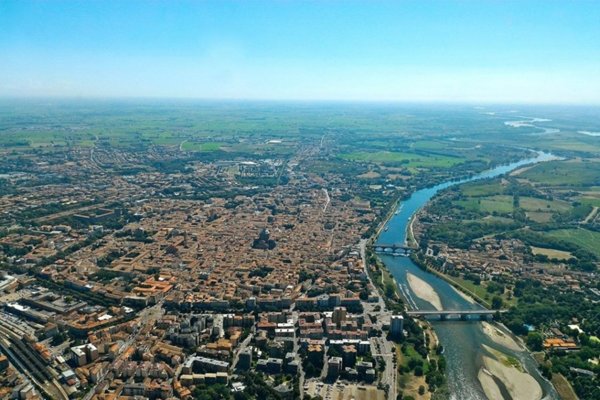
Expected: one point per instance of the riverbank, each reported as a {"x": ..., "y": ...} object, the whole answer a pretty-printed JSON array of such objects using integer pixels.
[
  {"x": 500, "y": 337},
  {"x": 410, "y": 237},
  {"x": 519, "y": 385},
  {"x": 388, "y": 216},
  {"x": 463, "y": 342},
  {"x": 465, "y": 293},
  {"x": 424, "y": 291}
]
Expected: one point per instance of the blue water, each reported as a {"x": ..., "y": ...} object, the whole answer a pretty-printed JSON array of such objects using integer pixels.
[{"x": 462, "y": 340}]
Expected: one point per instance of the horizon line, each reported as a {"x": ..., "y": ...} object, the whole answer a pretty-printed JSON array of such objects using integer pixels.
[{"x": 301, "y": 100}]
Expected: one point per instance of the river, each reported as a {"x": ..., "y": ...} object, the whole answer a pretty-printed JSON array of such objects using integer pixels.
[{"x": 462, "y": 340}]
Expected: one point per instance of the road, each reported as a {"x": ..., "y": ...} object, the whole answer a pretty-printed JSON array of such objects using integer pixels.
[
  {"x": 380, "y": 346},
  {"x": 241, "y": 348},
  {"x": 181, "y": 145},
  {"x": 363, "y": 254},
  {"x": 327, "y": 201},
  {"x": 147, "y": 316},
  {"x": 296, "y": 351}
]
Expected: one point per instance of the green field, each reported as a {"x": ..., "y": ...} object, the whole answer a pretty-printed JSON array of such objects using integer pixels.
[
  {"x": 429, "y": 145},
  {"x": 408, "y": 159},
  {"x": 592, "y": 201},
  {"x": 541, "y": 205},
  {"x": 206, "y": 146},
  {"x": 574, "y": 173},
  {"x": 583, "y": 238},
  {"x": 501, "y": 204},
  {"x": 540, "y": 210},
  {"x": 539, "y": 217},
  {"x": 480, "y": 291},
  {"x": 551, "y": 253},
  {"x": 479, "y": 189}
]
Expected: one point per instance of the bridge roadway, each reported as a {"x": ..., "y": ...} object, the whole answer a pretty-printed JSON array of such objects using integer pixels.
[
  {"x": 463, "y": 314},
  {"x": 393, "y": 246},
  {"x": 393, "y": 249}
]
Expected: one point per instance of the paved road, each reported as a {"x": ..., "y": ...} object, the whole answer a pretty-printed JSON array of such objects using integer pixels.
[
  {"x": 380, "y": 346},
  {"x": 148, "y": 315},
  {"x": 241, "y": 348}
]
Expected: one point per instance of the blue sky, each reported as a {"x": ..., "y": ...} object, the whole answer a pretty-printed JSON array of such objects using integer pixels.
[{"x": 467, "y": 51}]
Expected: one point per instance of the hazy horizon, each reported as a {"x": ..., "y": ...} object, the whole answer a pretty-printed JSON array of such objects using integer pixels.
[
  {"x": 165, "y": 100},
  {"x": 526, "y": 52}
]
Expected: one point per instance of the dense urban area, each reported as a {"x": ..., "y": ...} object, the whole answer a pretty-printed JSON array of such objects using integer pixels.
[{"x": 197, "y": 250}]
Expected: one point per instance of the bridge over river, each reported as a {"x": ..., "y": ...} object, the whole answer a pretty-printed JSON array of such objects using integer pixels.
[
  {"x": 461, "y": 314},
  {"x": 393, "y": 248}
]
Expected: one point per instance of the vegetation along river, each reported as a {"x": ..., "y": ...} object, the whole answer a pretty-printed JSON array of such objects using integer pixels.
[{"x": 463, "y": 341}]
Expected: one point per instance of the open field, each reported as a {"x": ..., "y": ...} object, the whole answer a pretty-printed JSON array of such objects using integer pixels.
[
  {"x": 480, "y": 189},
  {"x": 563, "y": 387},
  {"x": 409, "y": 159},
  {"x": 409, "y": 383},
  {"x": 345, "y": 392},
  {"x": 536, "y": 204},
  {"x": 206, "y": 146},
  {"x": 495, "y": 204},
  {"x": 574, "y": 173},
  {"x": 551, "y": 253},
  {"x": 539, "y": 217},
  {"x": 583, "y": 238},
  {"x": 479, "y": 291},
  {"x": 591, "y": 198}
]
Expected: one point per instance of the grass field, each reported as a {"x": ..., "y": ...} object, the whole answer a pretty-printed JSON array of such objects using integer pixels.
[
  {"x": 535, "y": 204},
  {"x": 551, "y": 253},
  {"x": 583, "y": 238},
  {"x": 408, "y": 159},
  {"x": 589, "y": 199},
  {"x": 539, "y": 217},
  {"x": 482, "y": 189},
  {"x": 575, "y": 173},
  {"x": 501, "y": 204},
  {"x": 538, "y": 210},
  {"x": 428, "y": 145},
  {"x": 206, "y": 146},
  {"x": 478, "y": 291}
]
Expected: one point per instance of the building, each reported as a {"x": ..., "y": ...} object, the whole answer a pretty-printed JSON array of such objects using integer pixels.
[
  {"x": 84, "y": 354},
  {"x": 3, "y": 362},
  {"x": 193, "y": 364},
  {"x": 339, "y": 315},
  {"x": 245, "y": 359},
  {"x": 334, "y": 367},
  {"x": 274, "y": 365},
  {"x": 349, "y": 355},
  {"x": 396, "y": 326}
]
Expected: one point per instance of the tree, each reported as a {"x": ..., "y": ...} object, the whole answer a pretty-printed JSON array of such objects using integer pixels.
[
  {"x": 535, "y": 341},
  {"x": 546, "y": 371},
  {"x": 421, "y": 390},
  {"x": 390, "y": 289},
  {"x": 497, "y": 302}
]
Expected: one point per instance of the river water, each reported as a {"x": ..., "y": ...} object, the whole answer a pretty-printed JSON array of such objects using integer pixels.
[{"x": 462, "y": 340}]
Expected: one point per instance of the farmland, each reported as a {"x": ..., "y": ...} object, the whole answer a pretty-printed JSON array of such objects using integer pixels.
[
  {"x": 583, "y": 238},
  {"x": 407, "y": 159}
]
